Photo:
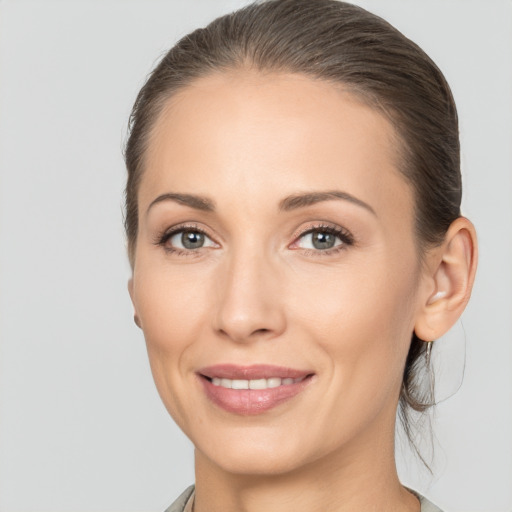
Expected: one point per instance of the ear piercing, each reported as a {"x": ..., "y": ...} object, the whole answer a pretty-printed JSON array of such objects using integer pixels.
[
  {"x": 429, "y": 352},
  {"x": 428, "y": 360}
]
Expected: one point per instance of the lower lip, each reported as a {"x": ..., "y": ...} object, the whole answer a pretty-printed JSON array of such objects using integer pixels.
[{"x": 251, "y": 401}]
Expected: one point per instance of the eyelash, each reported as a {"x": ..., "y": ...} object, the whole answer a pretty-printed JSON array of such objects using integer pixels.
[
  {"x": 163, "y": 238},
  {"x": 344, "y": 235}
]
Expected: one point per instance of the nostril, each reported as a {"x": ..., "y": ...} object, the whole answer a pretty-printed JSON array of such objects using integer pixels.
[{"x": 261, "y": 331}]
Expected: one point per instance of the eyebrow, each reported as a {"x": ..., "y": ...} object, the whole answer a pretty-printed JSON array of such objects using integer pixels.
[
  {"x": 198, "y": 202},
  {"x": 292, "y": 202},
  {"x": 302, "y": 200}
]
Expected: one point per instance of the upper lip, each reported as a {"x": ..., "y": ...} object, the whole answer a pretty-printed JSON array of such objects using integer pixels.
[{"x": 256, "y": 371}]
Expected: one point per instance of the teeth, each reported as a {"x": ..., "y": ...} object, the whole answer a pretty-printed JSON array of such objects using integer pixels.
[
  {"x": 239, "y": 384},
  {"x": 273, "y": 382},
  {"x": 258, "y": 384}
]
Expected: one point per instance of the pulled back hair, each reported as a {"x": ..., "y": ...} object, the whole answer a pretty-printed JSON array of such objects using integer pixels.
[{"x": 345, "y": 45}]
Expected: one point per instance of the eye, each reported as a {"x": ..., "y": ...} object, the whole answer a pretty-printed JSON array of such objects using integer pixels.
[
  {"x": 323, "y": 239},
  {"x": 319, "y": 240},
  {"x": 189, "y": 239},
  {"x": 185, "y": 240}
]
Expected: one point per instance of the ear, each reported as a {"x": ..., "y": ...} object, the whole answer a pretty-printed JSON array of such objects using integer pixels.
[
  {"x": 136, "y": 319},
  {"x": 450, "y": 275}
]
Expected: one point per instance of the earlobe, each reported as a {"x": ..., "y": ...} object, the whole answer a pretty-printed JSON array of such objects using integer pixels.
[
  {"x": 136, "y": 319},
  {"x": 451, "y": 275}
]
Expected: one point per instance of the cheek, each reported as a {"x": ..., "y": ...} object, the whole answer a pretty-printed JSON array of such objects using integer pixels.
[
  {"x": 367, "y": 294},
  {"x": 173, "y": 313},
  {"x": 362, "y": 317},
  {"x": 171, "y": 303},
  {"x": 362, "y": 324}
]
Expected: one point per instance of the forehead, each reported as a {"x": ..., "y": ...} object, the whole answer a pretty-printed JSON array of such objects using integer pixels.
[{"x": 246, "y": 134}]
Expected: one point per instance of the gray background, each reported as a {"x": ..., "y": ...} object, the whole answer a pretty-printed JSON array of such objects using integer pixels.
[{"x": 81, "y": 425}]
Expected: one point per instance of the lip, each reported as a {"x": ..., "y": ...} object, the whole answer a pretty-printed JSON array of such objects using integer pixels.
[
  {"x": 255, "y": 371},
  {"x": 251, "y": 401}
]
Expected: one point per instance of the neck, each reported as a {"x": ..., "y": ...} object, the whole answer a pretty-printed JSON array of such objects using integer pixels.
[{"x": 360, "y": 477}]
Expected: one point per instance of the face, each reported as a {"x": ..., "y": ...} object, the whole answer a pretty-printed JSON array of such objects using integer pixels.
[{"x": 276, "y": 274}]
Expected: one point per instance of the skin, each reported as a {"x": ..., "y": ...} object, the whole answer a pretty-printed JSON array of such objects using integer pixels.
[{"x": 259, "y": 292}]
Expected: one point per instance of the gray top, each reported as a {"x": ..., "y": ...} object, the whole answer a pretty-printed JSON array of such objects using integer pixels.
[{"x": 184, "y": 502}]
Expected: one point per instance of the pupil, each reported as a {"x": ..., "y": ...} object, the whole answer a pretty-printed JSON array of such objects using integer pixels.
[
  {"x": 192, "y": 239},
  {"x": 322, "y": 240}
]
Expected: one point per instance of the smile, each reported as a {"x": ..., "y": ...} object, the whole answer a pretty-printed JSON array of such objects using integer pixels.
[
  {"x": 273, "y": 382},
  {"x": 251, "y": 390}
]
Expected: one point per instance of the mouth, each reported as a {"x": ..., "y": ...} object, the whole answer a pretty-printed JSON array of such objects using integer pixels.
[
  {"x": 273, "y": 382},
  {"x": 249, "y": 390}
]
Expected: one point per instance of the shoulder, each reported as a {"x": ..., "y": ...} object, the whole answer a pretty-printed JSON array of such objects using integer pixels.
[
  {"x": 426, "y": 505},
  {"x": 180, "y": 504}
]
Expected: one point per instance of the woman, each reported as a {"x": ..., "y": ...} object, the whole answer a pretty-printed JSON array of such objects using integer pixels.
[{"x": 294, "y": 230}]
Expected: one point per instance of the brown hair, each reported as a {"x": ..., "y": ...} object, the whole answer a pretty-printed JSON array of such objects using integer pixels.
[{"x": 343, "y": 44}]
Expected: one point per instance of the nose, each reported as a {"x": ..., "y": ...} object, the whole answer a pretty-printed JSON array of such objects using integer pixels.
[{"x": 250, "y": 299}]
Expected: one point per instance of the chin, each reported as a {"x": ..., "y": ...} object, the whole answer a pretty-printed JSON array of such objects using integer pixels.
[
  {"x": 251, "y": 452},
  {"x": 256, "y": 464}
]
